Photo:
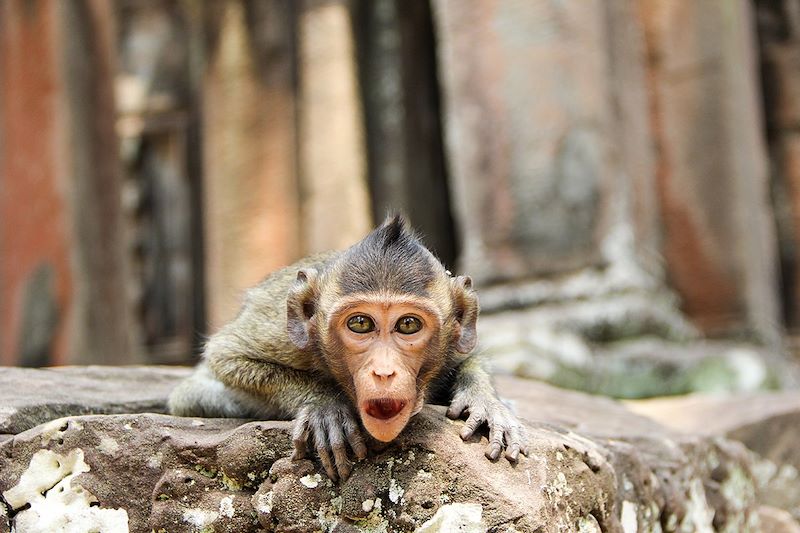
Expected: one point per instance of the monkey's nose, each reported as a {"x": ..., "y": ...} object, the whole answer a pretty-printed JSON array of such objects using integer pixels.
[{"x": 383, "y": 375}]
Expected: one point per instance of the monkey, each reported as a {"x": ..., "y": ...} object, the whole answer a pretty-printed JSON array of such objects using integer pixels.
[{"x": 357, "y": 338}]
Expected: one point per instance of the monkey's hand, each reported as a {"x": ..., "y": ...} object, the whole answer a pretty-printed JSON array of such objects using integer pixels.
[
  {"x": 329, "y": 426},
  {"x": 504, "y": 428}
]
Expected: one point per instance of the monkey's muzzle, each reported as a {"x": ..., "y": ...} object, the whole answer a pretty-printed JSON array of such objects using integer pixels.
[{"x": 384, "y": 408}]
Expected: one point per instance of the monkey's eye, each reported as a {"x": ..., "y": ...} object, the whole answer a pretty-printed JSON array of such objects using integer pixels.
[
  {"x": 408, "y": 325},
  {"x": 360, "y": 324}
]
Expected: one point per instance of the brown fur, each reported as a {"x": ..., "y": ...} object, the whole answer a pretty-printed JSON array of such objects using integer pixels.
[{"x": 283, "y": 358}]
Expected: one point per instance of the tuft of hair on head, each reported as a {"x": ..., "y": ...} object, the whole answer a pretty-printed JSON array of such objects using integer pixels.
[
  {"x": 390, "y": 258},
  {"x": 394, "y": 230}
]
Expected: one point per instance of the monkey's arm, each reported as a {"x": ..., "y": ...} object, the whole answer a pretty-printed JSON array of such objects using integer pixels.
[
  {"x": 320, "y": 413},
  {"x": 474, "y": 393},
  {"x": 286, "y": 390}
]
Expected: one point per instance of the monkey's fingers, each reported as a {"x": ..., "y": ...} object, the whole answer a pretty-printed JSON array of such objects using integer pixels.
[
  {"x": 356, "y": 442},
  {"x": 300, "y": 440},
  {"x": 476, "y": 418},
  {"x": 514, "y": 441},
  {"x": 327, "y": 464},
  {"x": 336, "y": 442},
  {"x": 495, "y": 443},
  {"x": 343, "y": 464},
  {"x": 324, "y": 455},
  {"x": 457, "y": 408},
  {"x": 512, "y": 453}
]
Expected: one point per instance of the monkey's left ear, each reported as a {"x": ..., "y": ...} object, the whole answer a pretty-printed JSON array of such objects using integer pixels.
[
  {"x": 300, "y": 307},
  {"x": 466, "y": 308}
]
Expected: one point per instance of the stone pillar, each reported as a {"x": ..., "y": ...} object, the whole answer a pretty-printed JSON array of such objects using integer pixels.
[
  {"x": 61, "y": 276},
  {"x": 251, "y": 193},
  {"x": 399, "y": 89},
  {"x": 538, "y": 96},
  {"x": 779, "y": 34},
  {"x": 719, "y": 240},
  {"x": 549, "y": 125},
  {"x": 101, "y": 319},
  {"x": 34, "y": 234},
  {"x": 335, "y": 207}
]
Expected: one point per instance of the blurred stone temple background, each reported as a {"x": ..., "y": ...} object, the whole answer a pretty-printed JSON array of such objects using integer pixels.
[{"x": 620, "y": 177}]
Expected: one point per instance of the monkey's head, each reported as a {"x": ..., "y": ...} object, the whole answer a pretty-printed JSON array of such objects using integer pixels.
[{"x": 385, "y": 318}]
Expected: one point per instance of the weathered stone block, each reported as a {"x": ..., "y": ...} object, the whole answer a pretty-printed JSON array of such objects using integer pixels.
[
  {"x": 527, "y": 122},
  {"x": 593, "y": 466},
  {"x": 29, "y": 397},
  {"x": 766, "y": 423},
  {"x": 251, "y": 197},
  {"x": 719, "y": 242},
  {"x": 335, "y": 206}
]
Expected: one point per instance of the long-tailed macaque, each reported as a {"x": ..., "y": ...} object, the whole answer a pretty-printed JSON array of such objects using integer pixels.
[{"x": 362, "y": 337}]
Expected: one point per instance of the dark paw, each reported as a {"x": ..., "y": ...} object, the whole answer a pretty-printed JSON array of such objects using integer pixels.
[
  {"x": 505, "y": 431},
  {"x": 330, "y": 429}
]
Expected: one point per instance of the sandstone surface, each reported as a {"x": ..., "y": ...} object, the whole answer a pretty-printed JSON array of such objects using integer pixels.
[{"x": 594, "y": 466}]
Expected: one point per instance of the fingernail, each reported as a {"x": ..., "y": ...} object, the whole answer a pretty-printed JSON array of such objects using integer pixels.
[{"x": 492, "y": 453}]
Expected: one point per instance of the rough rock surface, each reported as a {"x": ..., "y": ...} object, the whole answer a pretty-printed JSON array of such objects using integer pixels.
[
  {"x": 766, "y": 423},
  {"x": 593, "y": 466},
  {"x": 628, "y": 346},
  {"x": 32, "y": 396}
]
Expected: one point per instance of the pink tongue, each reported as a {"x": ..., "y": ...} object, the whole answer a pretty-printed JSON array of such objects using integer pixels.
[{"x": 384, "y": 408}]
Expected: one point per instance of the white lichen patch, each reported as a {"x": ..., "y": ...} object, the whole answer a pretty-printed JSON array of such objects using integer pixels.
[
  {"x": 461, "y": 517},
  {"x": 45, "y": 470},
  {"x": 336, "y": 504},
  {"x": 395, "y": 491},
  {"x": 108, "y": 446},
  {"x": 559, "y": 488},
  {"x": 699, "y": 514},
  {"x": 629, "y": 518},
  {"x": 367, "y": 505},
  {"x": 55, "y": 504},
  {"x": 199, "y": 518},
  {"x": 226, "y": 507},
  {"x": 423, "y": 474},
  {"x": 374, "y": 522},
  {"x": 154, "y": 461},
  {"x": 55, "y": 429},
  {"x": 311, "y": 481},
  {"x": 738, "y": 489},
  {"x": 627, "y": 484},
  {"x": 264, "y": 502},
  {"x": 588, "y": 524}
]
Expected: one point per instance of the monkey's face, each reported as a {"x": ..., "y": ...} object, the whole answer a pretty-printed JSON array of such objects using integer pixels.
[
  {"x": 384, "y": 344},
  {"x": 385, "y": 318}
]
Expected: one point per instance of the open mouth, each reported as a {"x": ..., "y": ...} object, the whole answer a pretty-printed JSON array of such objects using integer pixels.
[{"x": 384, "y": 408}]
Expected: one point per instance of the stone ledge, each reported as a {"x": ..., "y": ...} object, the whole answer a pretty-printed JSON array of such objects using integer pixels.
[
  {"x": 32, "y": 396},
  {"x": 594, "y": 467}
]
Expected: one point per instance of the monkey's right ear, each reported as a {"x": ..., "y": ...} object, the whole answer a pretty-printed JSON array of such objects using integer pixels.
[
  {"x": 300, "y": 307},
  {"x": 466, "y": 308}
]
